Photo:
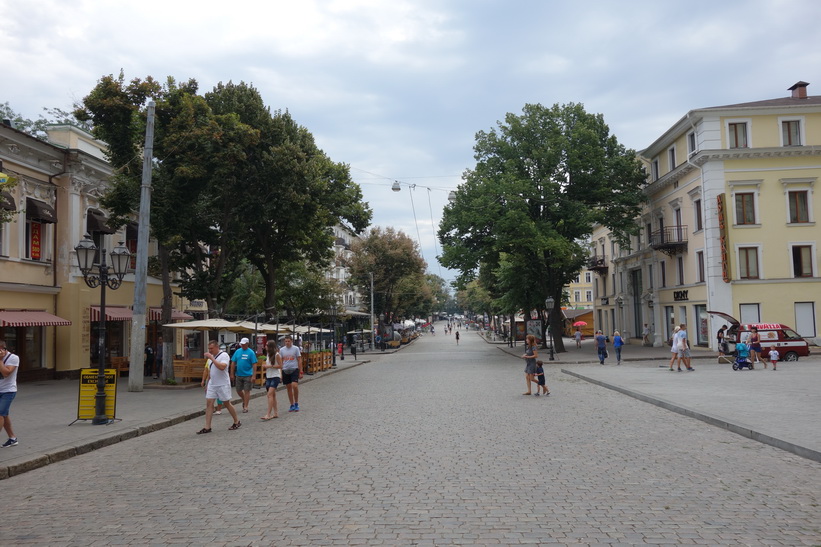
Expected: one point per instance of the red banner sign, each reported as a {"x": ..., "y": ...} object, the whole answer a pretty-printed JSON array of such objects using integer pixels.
[{"x": 35, "y": 241}]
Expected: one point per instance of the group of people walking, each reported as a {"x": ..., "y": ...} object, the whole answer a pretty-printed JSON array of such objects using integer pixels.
[{"x": 282, "y": 365}]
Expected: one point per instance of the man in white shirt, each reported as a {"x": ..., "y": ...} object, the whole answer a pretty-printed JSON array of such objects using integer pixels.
[
  {"x": 218, "y": 387},
  {"x": 9, "y": 363}
]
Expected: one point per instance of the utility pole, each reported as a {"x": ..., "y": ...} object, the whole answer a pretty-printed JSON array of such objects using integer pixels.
[
  {"x": 373, "y": 347},
  {"x": 138, "y": 321}
]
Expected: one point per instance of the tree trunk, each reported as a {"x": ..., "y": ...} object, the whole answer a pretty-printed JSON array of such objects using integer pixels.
[{"x": 167, "y": 332}]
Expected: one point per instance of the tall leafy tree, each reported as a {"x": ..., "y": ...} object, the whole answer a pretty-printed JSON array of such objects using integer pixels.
[
  {"x": 542, "y": 180},
  {"x": 287, "y": 194},
  {"x": 398, "y": 271}
]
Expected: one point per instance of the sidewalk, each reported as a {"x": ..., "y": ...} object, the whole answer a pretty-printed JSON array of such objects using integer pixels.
[
  {"x": 43, "y": 410},
  {"x": 776, "y": 408}
]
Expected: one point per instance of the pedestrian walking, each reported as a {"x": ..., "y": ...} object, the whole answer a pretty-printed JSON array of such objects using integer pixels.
[
  {"x": 682, "y": 345},
  {"x": 8, "y": 390},
  {"x": 218, "y": 386},
  {"x": 540, "y": 379},
  {"x": 774, "y": 357},
  {"x": 244, "y": 368},
  {"x": 578, "y": 337},
  {"x": 618, "y": 342},
  {"x": 148, "y": 364},
  {"x": 206, "y": 375},
  {"x": 755, "y": 347},
  {"x": 530, "y": 356},
  {"x": 601, "y": 346},
  {"x": 645, "y": 335},
  {"x": 457, "y": 337},
  {"x": 292, "y": 371},
  {"x": 273, "y": 376},
  {"x": 674, "y": 350},
  {"x": 720, "y": 340}
]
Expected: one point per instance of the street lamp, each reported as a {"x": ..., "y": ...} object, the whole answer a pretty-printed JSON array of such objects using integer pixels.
[
  {"x": 333, "y": 335},
  {"x": 120, "y": 257},
  {"x": 549, "y": 302}
]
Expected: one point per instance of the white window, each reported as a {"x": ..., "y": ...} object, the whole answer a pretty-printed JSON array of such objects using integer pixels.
[
  {"x": 588, "y": 277},
  {"x": 803, "y": 259},
  {"x": 654, "y": 170},
  {"x": 745, "y": 196},
  {"x": 798, "y": 192},
  {"x": 700, "y": 266},
  {"x": 792, "y": 131},
  {"x": 588, "y": 296},
  {"x": 577, "y": 296},
  {"x": 748, "y": 262},
  {"x": 691, "y": 143},
  {"x": 671, "y": 157},
  {"x": 698, "y": 218},
  {"x": 738, "y": 133}
]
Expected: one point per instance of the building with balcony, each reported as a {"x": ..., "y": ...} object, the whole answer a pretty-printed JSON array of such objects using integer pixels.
[{"x": 729, "y": 225}]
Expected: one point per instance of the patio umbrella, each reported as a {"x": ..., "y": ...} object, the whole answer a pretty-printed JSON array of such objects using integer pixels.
[
  {"x": 580, "y": 324},
  {"x": 208, "y": 324}
]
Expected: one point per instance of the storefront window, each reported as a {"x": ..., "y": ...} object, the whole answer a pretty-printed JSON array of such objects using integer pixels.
[
  {"x": 26, "y": 343},
  {"x": 703, "y": 326}
]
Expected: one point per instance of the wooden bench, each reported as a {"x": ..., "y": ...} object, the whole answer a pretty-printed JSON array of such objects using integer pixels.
[
  {"x": 119, "y": 363},
  {"x": 189, "y": 370}
]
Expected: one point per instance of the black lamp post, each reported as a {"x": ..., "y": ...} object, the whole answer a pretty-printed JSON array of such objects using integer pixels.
[
  {"x": 333, "y": 336},
  {"x": 548, "y": 304},
  {"x": 86, "y": 250}
]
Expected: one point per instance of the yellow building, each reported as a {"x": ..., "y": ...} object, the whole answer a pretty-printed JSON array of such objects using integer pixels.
[
  {"x": 48, "y": 315},
  {"x": 729, "y": 225}
]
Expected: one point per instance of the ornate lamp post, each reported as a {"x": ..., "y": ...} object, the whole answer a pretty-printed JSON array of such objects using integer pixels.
[
  {"x": 549, "y": 302},
  {"x": 86, "y": 250}
]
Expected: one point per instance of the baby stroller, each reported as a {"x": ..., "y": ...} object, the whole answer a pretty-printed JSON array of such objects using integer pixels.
[{"x": 742, "y": 357}]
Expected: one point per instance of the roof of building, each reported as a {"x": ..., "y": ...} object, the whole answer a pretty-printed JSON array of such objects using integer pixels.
[{"x": 783, "y": 101}]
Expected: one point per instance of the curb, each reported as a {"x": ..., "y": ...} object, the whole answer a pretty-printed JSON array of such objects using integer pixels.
[
  {"x": 744, "y": 431},
  {"x": 65, "y": 452}
]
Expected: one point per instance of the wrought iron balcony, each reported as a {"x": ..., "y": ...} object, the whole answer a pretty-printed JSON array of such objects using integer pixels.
[
  {"x": 670, "y": 240},
  {"x": 597, "y": 263}
]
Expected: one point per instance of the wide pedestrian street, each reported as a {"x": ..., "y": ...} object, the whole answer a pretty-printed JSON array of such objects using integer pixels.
[{"x": 432, "y": 445}]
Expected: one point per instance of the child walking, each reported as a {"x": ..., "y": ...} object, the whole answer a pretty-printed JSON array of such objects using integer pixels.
[
  {"x": 541, "y": 386},
  {"x": 774, "y": 356}
]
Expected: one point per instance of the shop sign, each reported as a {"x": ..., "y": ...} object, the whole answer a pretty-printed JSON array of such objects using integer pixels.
[
  {"x": 34, "y": 251},
  {"x": 722, "y": 238},
  {"x": 86, "y": 406},
  {"x": 678, "y": 296}
]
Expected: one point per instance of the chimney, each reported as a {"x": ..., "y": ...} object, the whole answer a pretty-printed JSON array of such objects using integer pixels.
[{"x": 799, "y": 90}]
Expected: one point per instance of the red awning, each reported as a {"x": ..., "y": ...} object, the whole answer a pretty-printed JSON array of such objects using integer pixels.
[
  {"x": 28, "y": 318},
  {"x": 111, "y": 313},
  {"x": 155, "y": 314}
]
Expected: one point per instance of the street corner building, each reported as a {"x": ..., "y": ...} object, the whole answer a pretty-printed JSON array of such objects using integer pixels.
[{"x": 729, "y": 225}]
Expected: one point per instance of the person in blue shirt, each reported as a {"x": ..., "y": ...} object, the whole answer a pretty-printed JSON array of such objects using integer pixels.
[
  {"x": 243, "y": 369},
  {"x": 618, "y": 342}
]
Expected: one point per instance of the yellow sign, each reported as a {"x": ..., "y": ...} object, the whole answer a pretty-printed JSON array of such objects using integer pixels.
[{"x": 86, "y": 406}]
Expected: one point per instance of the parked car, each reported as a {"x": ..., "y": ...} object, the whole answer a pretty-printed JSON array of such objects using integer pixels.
[{"x": 790, "y": 344}]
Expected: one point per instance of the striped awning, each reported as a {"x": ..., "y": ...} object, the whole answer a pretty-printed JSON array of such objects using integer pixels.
[
  {"x": 28, "y": 318},
  {"x": 112, "y": 313},
  {"x": 155, "y": 314}
]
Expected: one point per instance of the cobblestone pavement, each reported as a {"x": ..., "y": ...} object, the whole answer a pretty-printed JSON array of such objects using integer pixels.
[{"x": 435, "y": 445}]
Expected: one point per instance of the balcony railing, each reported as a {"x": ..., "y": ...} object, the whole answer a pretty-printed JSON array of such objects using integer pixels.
[
  {"x": 598, "y": 264},
  {"x": 670, "y": 240}
]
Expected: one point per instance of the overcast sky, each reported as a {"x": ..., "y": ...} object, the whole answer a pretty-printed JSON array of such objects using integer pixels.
[{"x": 398, "y": 88}]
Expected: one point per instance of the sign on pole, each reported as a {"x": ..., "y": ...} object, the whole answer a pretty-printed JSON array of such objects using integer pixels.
[{"x": 88, "y": 389}]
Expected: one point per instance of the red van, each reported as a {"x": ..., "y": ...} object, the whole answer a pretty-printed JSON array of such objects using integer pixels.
[{"x": 789, "y": 343}]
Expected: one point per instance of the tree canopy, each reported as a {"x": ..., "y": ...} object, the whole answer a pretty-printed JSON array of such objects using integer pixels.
[
  {"x": 521, "y": 220},
  {"x": 231, "y": 182},
  {"x": 400, "y": 288}
]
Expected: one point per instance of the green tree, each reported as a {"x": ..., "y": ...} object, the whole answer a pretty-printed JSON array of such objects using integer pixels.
[
  {"x": 37, "y": 128},
  {"x": 521, "y": 217},
  {"x": 286, "y": 194},
  {"x": 398, "y": 271}
]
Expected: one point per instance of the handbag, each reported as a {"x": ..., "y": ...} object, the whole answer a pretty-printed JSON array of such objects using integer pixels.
[{"x": 606, "y": 355}]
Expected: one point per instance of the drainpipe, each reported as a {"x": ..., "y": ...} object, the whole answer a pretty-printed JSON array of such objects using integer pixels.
[
  {"x": 704, "y": 228},
  {"x": 54, "y": 268}
]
